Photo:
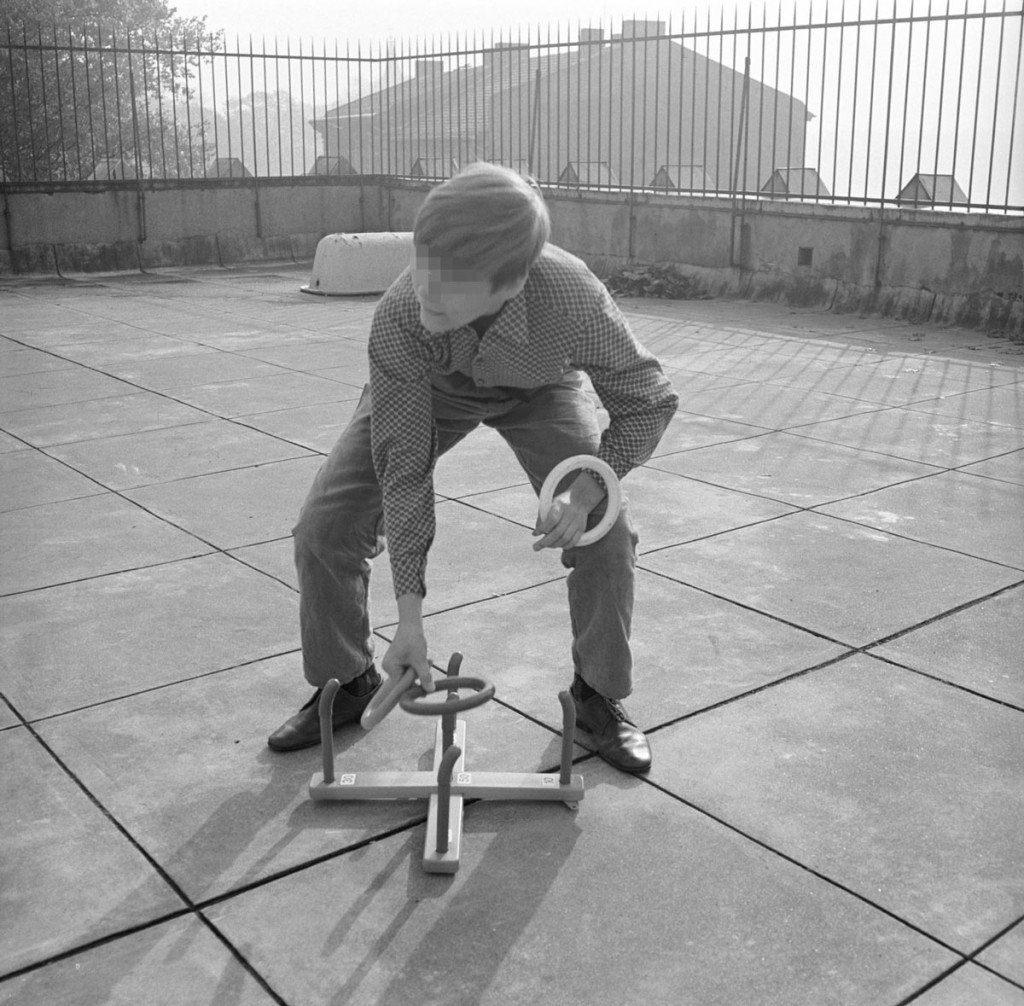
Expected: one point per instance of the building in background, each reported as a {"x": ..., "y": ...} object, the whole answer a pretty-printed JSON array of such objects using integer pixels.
[{"x": 633, "y": 104}]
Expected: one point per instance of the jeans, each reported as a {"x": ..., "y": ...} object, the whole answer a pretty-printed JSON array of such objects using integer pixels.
[{"x": 340, "y": 530}]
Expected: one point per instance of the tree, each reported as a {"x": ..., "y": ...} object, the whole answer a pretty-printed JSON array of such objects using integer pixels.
[{"x": 92, "y": 88}]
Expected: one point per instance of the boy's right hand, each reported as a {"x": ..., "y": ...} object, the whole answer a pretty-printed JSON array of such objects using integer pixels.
[{"x": 409, "y": 649}]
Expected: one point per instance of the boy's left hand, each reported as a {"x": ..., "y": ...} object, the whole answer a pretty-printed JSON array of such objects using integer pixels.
[{"x": 564, "y": 525}]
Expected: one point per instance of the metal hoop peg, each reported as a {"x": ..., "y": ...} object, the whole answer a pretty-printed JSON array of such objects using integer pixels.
[{"x": 580, "y": 462}]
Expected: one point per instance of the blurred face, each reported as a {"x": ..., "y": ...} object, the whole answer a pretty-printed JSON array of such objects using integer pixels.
[{"x": 451, "y": 297}]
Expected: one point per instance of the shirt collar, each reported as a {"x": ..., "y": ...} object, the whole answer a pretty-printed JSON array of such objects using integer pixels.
[{"x": 511, "y": 323}]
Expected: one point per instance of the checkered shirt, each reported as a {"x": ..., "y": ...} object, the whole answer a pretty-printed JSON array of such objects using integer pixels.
[{"x": 564, "y": 320}]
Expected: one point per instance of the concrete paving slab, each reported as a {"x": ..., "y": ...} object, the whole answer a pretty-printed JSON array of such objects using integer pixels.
[
  {"x": 316, "y": 427},
  {"x": 103, "y": 417},
  {"x": 1006, "y": 955},
  {"x": 28, "y": 478},
  {"x": 9, "y": 444},
  {"x": 353, "y": 377},
  {"x": 978, "y": 648},
  {"x": 75, "y": 539},
  {"x": 181, "y": 961},
  {"x": 770, "y": 406},
  {"x": 182, "y": 452},
  {"x": 7, "y": 717},
  {"x": 787, "y": 468},
  {"x": 231, "y": 509},
  {"x": 702, "y": 916},
  {"x": 689, "y": 383},
  {"x": 844, "y": 770},
  {"x": 70, "y": 876},
  {"x": 1006, "y": 467},
  {"x": 687, "y": 431},
  {"x": 130, "y": 352},
  {"x": 481, "y": 462},
  {"x": 900, "y": 380},
  {"x": 1003, "y": 406},
  {"x": 106, "y": 637},
  {"x": 316, "y": 357},
  {"x": 17, "y": 360},
  {"x": 964, "y": 513},
  {"x": 260, "y": 394},
  {"x": 717, "y": 650},
  {"x": 199, "y": 368},
  {"x": 918, "y": 436},
  {"x": 795, "y": 360},
  {"x": 57, "y": 387},
  {"x": 241, "y": 334},
  {"x": 52, "y": 332},
  {"x": 188, "y": 771},
  {"x": 973, "y": 985},
  {"x": 878, "y": 583}
]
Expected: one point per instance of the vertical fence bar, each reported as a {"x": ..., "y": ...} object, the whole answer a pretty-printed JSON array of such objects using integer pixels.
[
  {"x": 995, "y": 110},
  {"x": 211, "y": 69},
  {"x": 871, "y": 102},
  {"x": 327, "y": 129},
  {"x": 60, "y": 107},
  {"x": 266, "y": 105},
  {"x": 117, "y": 97},
  {"x": 46, "y": 105},
  {"x": 174, "y": 102},
  {"x": 15, "y": 130},
  {"x": 888, "y": 110},
  {"x": 227, "y": 109},
  {"x": 252, "y": 114},
  {"x": 959, "y": 104},
  {"x": 160, "y": 105},
  {"x": 74, "y": 103},
  {"x": 977, "y": 110},
  {"x": 906, "y": 97},
  {"x": 679, "y": 117},
  {"x": 558, "y": 96},
  {"x": 1013, "y": 115},
  {"x": 791, "y": 102},
  {"x": 718, "y": 101}
]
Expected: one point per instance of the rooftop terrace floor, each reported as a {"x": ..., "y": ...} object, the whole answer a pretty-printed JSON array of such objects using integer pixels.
[{"x": 830, "y": 668}]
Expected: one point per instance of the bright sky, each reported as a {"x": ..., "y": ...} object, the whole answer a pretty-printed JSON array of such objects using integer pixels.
[{"x": 412, "y": 20}]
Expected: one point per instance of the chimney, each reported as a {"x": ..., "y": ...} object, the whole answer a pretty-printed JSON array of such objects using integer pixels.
[
  {"x": 591, "y": 35},
  {"x": 642, "y": 29}
]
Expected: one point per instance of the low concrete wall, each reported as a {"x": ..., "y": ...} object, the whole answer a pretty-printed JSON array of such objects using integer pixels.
[
  {"x": 110, "y": 226},
  {"x": 964, "y": 269}
]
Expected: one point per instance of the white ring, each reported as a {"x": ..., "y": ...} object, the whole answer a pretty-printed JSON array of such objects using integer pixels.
[{"x": 611, "y": 482}]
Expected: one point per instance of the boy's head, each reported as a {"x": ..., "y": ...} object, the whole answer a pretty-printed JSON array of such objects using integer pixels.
[{"x": 476, "y": 237}]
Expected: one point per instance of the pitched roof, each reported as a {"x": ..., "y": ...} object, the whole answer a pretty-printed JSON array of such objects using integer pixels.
[
  {"x": 794, "y": 182},
  {"x": 924, "y": 188}
]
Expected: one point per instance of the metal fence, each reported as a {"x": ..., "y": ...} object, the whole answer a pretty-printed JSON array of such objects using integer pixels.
[{"x": 911, "y": 106}]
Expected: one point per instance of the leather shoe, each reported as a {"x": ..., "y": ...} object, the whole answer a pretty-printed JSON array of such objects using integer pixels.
[
  {"x": 303, "y": 729},
  {"x": 619, "y": 741}
]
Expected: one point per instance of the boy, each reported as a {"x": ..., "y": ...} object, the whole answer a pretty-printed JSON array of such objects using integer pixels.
[{"x": 489, "y": 324}]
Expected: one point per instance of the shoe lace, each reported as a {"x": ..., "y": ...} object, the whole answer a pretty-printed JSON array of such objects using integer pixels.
[{"x": 615, "y": 708}]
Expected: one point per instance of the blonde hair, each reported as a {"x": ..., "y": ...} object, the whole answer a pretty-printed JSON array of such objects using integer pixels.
[{"x": 488, "y": 219}]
